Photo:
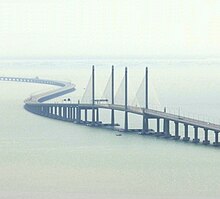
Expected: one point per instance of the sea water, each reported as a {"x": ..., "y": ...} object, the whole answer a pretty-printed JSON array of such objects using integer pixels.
[{"x": 45, "y": 158}]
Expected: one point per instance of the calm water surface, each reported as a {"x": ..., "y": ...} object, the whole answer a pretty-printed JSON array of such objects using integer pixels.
[{"x": 44, "y": 158}]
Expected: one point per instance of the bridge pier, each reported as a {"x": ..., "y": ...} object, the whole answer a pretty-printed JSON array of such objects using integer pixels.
[
  {"x": 97, "y": 115},
  {"x": 64, "y": 113},
  {"x": 196, "y": 139},
  {"x": 186, "y": 129},
  {"x": 47, "y": 111},
  {"x": 166, "y": 127},
  {"x": 60, "y": 112},
  {"x": 78, "y": 116},
  {"x": 70, "y": 113},
  {"x": 52, "y": 111},
  {"x": 145, "y": 125},
  {"x": 158, "y": 125},
  {"x": 55, "y": 112},
  {"x": 216, "y": 143},
  {"x": 93, "y": 116},
  {"x": 126, "y": 122},
  {"x": 74, "y": 114},
  {"x": 86, "y": 116},
  {"x": 206, "y": 141},
  {"x": 112, "y": 118},
  {"x": 177, "y": 137}
]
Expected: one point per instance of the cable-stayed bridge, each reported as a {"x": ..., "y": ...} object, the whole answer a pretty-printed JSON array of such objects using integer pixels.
[{"x": 113, "y": 101}]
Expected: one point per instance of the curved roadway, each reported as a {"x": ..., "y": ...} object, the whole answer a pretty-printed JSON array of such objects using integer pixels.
[{"x": 65, "y": 87}]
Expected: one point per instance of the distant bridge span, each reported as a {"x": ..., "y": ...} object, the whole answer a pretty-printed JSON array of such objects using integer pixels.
[
  {"x": 66, "y": 87},
  {"x": 72, "y": 112}
]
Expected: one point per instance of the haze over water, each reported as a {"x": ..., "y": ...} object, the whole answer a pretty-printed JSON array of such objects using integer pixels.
[{"x": 45, "y": 158}]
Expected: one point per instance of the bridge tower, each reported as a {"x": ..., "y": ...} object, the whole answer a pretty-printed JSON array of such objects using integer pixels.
[
  {"x": 145, "y": 117},
  {"x": 113, "y": 101},
  {"x": 93, "y": 95},
  {"x": 126, "y": 100},
  {"x": 146, "y": 88}
]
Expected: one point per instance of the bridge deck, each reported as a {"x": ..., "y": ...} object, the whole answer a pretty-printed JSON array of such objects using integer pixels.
[
  {"x": 151, "y": 113},
  {"x": 67, "y": 87}
]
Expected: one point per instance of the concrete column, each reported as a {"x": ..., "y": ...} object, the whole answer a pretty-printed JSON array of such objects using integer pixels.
[
  {"x": 47, "y": 111},
  {"x": 78, "y": 115},
  {"x": 164, "y": 125},
  {"x": 60, "y": 111},
  {"x": 70, "y": 113},
  {"x": 206, "y": 141},
  {"x": 196, "y": 139},
  {"x": 177, "y": 137},
  {"x": 158, "y": 125},
  {"x": 74, "y": 113},
  {"x": 126, "y": 122},
  {"x": 145, "y": 124},
  {"x": 97, "y": 115},
  {"x": 80, "y": 110},
  {"x": 52, "y": 111},
  {"x": 167, "y": 127},
  {"x": 55, "y": 112},
  {"x": 216, "y": 143},
  {"x": 186, "y": 128},
  {"x": 44, "y": 111},
  {"x": 86, "y": 115},
  {"x": 64, "y": 112}
]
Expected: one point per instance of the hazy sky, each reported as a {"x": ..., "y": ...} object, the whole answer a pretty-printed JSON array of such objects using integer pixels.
[{"x": 109, "y": 28}]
